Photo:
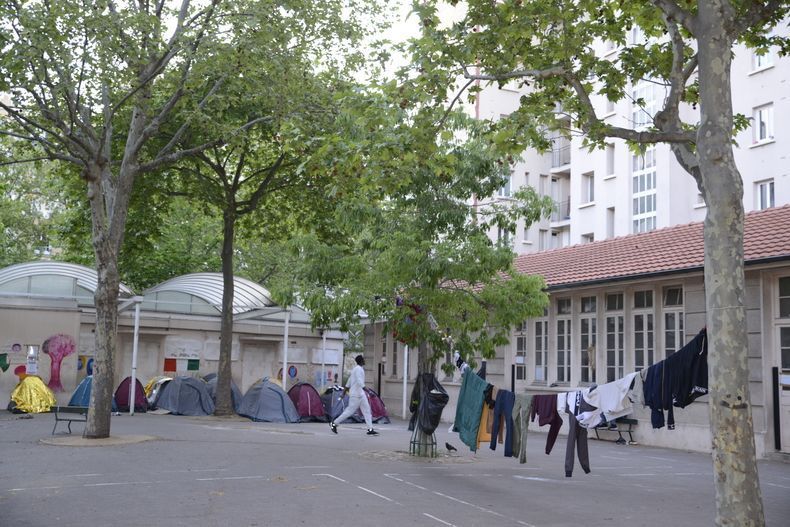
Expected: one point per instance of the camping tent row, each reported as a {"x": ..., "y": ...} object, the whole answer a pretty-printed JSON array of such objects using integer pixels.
[{"x": 265, "y": 401}]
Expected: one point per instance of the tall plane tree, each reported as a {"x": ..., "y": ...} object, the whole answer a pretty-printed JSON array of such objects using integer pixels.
[
  {"x": 550, "y": 47},
  {"x": 91, "y": 84},
  {"x": 293, "y": 88}
]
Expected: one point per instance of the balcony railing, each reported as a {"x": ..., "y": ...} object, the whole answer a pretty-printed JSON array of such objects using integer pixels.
[
  {"x": 562, "y": 211},
  {"x": 560, "y": 155}
]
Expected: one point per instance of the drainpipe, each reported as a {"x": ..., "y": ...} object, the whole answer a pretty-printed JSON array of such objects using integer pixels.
[{"x": 133, "y": 387}]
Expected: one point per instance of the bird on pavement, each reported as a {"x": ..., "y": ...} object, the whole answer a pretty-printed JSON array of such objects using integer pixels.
[{"x": 449, "y": 447}]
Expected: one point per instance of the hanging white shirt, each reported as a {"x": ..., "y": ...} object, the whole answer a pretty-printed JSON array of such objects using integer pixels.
[{"x": 611, "y": 401}]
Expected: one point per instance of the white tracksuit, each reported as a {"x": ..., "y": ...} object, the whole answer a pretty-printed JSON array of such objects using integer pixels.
[{"x": 356, "y": 397}]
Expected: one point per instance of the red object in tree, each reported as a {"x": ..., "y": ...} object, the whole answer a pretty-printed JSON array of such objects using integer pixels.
[{"x": 57, "y": 347}]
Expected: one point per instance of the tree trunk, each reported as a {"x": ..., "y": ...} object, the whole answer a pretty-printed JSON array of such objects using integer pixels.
[
  {"x": 738, "y": 499},
  {"x": 423, "y": 445},
  {"x": 224, "y": 405},
  {"x": 106, "y": 301}
]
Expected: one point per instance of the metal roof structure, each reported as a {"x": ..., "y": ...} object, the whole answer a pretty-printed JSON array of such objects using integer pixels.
[
  {"x": 85, "y": 277},
  {"x": 247, "y": 295}
]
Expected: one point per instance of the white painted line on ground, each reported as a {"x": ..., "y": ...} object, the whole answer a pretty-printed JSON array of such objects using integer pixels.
[
  {"x": 668, "y": 460},
  {"x": 311, "y": 466},
  {"x": 404, "y": 481},
  {"x": 376, "y": 494},
  {"x": 777, "y": 485},
  {"x": 118, "y": 483},
  {"x": 438, "y": 520},
  {"x": 33, "y": 488},
  {"x": 618, "y": 458},
  {"x": 691, "y": 474},
  {"x": 478, "y": 507},
  {"x": 638, "y": 475},
  {"x": 534, "y": 478},
  {"x": 81, "y": 475},
  {"x": 231, "y": 478},
  {"x": 331, "y": 476},
  {"x": 525, "y": 524}
]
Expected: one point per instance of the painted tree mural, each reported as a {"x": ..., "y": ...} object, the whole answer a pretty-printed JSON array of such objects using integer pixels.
[{"x": 57, "y": 347}]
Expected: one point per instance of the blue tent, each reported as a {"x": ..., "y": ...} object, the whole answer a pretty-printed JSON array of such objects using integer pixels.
[
  {"x": 235, "y": 393},
  {"x": 82, "y": 394},
  {"x": 185, "y": 396}
]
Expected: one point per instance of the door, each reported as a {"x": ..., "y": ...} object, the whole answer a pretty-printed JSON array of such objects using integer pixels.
[{"x": 784, "y": 386}]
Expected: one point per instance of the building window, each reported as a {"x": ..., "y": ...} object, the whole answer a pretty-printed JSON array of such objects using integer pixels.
[
  {"x": 543, "y": 239},
  {"x": 763, "y": 123},
  {"x": 615, "y": 338},
  {"x": 643, "y": 191},
  {"x": 784, "y": 297},
  {"x": 563, "y": 340},
  {"x": 521, "y": 351},
  {"x": 609, "y": 160},
  {"x": 588, "y": 187},
  {"x": 394, "y": 363},
  {"x": 762, "y": 60},
  {"x": 610, "y": 222},
  {"x": 645, "y": 104},
  {"x": 543, "y": 185},
  {"x": 504, "y": 191},
  {"x": 588, "y": 238},
  {"x": 541, "y": 349},
  {"x": 764, "y": 194},
  {"x": 564, "y": 350},
  {"x": 644, "y": 343},
  {"x": 589, "y": 335},
  {"x": 674, "y": 334},
  {"x": 636, "y": 36},
  {"x": 503, "y": 236}
]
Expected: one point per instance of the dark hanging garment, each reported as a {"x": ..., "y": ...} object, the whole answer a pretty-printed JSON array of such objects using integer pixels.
[
  {"x": 545, "y": 407},
  {"x": 431, "y": 398},
  {"x": 677, "y": 380},
  {"x": 482, "y": 371}
]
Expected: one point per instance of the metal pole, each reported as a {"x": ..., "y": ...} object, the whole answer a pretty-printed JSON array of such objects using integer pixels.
[
  {"x": 405, "y": 376},
  {"x": 285, "y": 348},
  {"x": 134, "y": 357},
  {"x": 323, "y": 358}
]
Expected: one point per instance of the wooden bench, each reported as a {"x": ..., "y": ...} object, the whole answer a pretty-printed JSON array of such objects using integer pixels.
[
  {"x": 69, "y": 414},
  {"x": 623, "y": 425}
]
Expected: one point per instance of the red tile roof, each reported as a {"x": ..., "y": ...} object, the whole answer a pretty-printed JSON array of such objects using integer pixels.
[{"x": 673, "y": 249}]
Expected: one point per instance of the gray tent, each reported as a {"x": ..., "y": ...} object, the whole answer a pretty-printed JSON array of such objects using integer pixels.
[
  {"x": 185, "y": 396},
  {"x": 265, "y": 401},
  {"x": 235, "y": 393}
]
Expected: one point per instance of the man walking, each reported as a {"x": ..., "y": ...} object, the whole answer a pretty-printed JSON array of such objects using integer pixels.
[{"x": 356, "y": 398}]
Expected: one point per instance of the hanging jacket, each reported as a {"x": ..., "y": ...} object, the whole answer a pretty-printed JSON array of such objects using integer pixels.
[
  {"x": 470, "y": 405},
  {"x": 611, "y": 400},
  {"x": 677, "y": 380}
]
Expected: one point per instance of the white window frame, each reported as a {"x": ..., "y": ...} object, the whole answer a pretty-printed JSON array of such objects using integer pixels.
[
  {"x": 521, "y": 351},
  {"x": 644, "y": 326},
  {"x": 505, "y": 190},
  {"x": 642, "y": 116},
  {"x": 588, "y": 332},
  {"x": 673, "y": 322},
  {"x": 588, "y": 187},
  {"x": 644, "y": 195},
  {"x": 541, "y": 370},
  {"x": 564, "y": 335},
  {"x": 763, "y": 124},
  {"x": 764, "y": 195},
  {"x": 762, "y": 61},
  {"x": 615, "y": 340}
]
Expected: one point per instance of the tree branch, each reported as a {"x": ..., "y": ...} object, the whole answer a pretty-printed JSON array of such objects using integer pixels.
[
  {"x": 756, "y": 14},
  {"x": 672, "y": 10}
]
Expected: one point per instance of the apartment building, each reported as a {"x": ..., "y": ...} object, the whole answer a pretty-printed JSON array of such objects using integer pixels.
[{"x": 612, "y": 192}]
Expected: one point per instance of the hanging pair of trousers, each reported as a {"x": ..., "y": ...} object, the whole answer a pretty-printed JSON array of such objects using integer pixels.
[
  {"x": 503, "y": 410},
  {"x": 577, "y": 441}
]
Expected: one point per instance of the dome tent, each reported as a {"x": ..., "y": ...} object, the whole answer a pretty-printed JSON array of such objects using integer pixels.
[
  {"x": 185, "y": 396},
  {"x": 235, "y": 393},
  {"x": 265, "y": 401},
  {"x": 308, "y": 402},
  {"x": 122, "y": 396}
]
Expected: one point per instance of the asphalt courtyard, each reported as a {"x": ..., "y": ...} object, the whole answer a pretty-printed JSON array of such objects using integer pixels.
[{"x": 168, "y": 470}]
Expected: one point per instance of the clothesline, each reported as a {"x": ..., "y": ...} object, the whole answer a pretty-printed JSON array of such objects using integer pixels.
[{"x": 673, "y": 382}]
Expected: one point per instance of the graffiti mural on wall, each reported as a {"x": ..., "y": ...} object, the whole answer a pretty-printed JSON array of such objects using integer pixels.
[{"x": 57, "y": 347}]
